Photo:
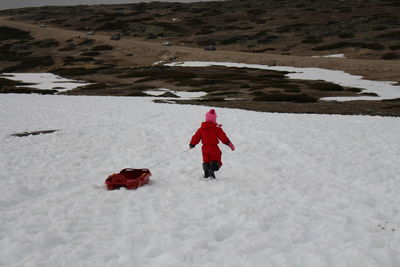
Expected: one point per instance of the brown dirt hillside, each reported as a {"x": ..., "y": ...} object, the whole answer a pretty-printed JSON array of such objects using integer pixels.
[
  {"x": 284, "y": 33},
  {"x": 363, "y": 29},
  {"x": 131, "y": 51}
]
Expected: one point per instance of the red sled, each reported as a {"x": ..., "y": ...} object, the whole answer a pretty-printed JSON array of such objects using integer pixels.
[{"x": 128, "y": 178}]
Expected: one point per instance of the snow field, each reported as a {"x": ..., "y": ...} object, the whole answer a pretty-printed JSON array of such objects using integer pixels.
[{"x": 299, "y": 190}]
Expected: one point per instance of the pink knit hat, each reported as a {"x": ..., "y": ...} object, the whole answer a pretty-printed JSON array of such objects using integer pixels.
[{"x": 211, "y": 116}]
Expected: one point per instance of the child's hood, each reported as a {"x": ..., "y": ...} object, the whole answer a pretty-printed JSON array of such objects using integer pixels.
[{"x": 208, "y": 124}]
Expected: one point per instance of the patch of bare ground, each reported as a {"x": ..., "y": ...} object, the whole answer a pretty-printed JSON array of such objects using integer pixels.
[
  {"x": 371, "y": 108},
  {"x": 359, "y": 29},
  {"x": 56, "y": 40}
]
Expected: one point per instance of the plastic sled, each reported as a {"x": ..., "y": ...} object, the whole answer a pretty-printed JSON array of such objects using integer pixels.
[{"x": 128, "y": 178}]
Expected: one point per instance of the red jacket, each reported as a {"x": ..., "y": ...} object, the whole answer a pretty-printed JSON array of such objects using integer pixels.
[{"x": 209, "y": 133}]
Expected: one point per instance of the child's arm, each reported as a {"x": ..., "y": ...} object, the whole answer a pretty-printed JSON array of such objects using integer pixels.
[
  {"x": 195, "y": 139},
  {"x": 224, "y": 139}
]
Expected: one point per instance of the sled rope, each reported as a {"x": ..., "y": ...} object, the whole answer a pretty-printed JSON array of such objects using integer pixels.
[{"x": 170, "y": 158}]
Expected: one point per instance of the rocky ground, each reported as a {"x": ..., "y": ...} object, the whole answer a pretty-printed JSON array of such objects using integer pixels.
[
  {"x": 367, "y": 29},
  {"x": 286, "y": 33}
]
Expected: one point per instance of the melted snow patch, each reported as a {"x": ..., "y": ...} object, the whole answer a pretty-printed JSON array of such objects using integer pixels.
[
  {"x": 45, "y": 81},
  {"x": 333, "y": 55},
  {"x": 384, "y": 89}
]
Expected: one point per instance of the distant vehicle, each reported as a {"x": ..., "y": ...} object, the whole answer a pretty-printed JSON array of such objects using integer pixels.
[
  {"x": 210, "y": 48},
  {"x": 115, "y": 36},
  {"x": 42, "y": 25},
  {"x": 91, "y": 32},
  {"x": 166, "y": 43}
]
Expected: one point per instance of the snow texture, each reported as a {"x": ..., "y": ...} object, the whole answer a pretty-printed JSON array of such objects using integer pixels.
[
  {"x": 299, "y": 190},
  {"x": 45, "y": 81},
  {"x": 384, "y": 89}
]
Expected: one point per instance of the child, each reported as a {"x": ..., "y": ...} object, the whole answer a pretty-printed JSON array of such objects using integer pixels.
[{"x": 209, "y": 133}]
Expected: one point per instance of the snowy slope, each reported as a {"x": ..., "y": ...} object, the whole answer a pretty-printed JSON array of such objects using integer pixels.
[{"x": 300, "y": 190}]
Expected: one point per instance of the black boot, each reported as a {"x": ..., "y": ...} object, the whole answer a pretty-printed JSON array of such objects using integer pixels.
[
  {"x": 206, "y": 168},
  {"x": 214, "y": 166}
]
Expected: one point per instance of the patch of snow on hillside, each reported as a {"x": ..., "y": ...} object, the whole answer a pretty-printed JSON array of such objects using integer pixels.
[
  {"x": 333, "y": 56},
  {"x": 45, "y": 81}
]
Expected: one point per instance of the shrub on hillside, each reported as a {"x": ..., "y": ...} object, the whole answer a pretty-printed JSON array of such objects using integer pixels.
[
  {"x": 283, "y": 85},
  {"x": 249, "y": 43},
  {"x": 379, "y": 28},
  {"x": 140, "y": 19},
  {"x": 394, "y": 47},
  {"x": 346, "y": 35},
  {"x": 94, "y": 86},
  {"x": 326, "y": 87},
  {"x": 258, "y": 93},
  {"x": 291, "y": 27},
  {"x": 102, "y": 48},
  {"x": 73, "y": 71},
  {"x": 204, "y": 30},
  {"x": 230, "y": 19},
  {"x": 332, "y": 46},
  {"x": 172, "y": 27},
  {"x": 260, "y": 21},
  {"x": 155, "y": 73},
  {"x": 87, "y": 41},
  {"x": 199, "y": 10},
  {"x": 230, "y": 40},
  {"x": 205, "y": 41},
  {"x": 58, "y": 21},
  {"x": 26, "y": 90},
  {"x": 195, "y": 83},
  {"x": 267, "y": 39},
  {"x": 205, "y": 89},
  {"x": 7, "y": 82},
  {"x": 11, "y": 48},
  {"x": 277, "y": 97},
  {"x": 255, "y": 12},
  {"x": 274, "y": 75},
  {"x": 70, "y": 59},
  {"x": 312, "y": 40},
  {"x": 105, "y": 18},
  {"x": 7, "y": 33},
  {"x": 67, "y": 48},
  {"x": 224, "y": 92},
  {"x": 212, "y": 99},
  {"x": 112, "y": 26},
  {"x": 153, "y": 31},
  {"x": 194, "y": 21},
  {"x": 395, "y": 35},
  {"x": 293, "y": 90},
  {"x": 46, "y": 43},
  {"x": 90, "y": 54},
  {"x": 373, "y": 46},
  {"x": 214, "y": 12},
  {"x": 389, "y": 56},
  {"x": 30, "y": 63}
]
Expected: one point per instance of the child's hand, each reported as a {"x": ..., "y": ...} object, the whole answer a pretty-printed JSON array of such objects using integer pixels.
[{"x": 231, "y": 146}]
